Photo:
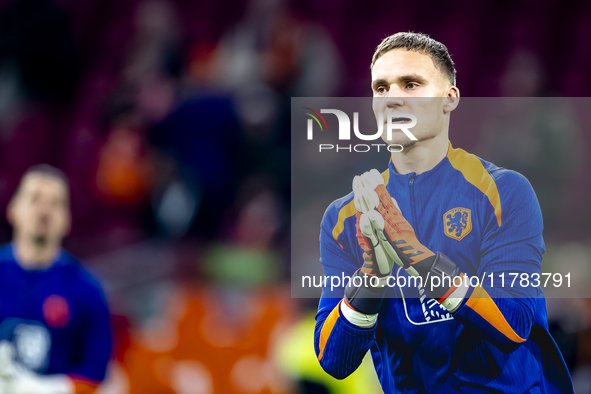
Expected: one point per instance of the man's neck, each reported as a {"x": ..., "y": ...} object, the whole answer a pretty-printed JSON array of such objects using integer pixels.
[
  {"x": 422, "y": 156},
  {"x": 31, "y": 256}
]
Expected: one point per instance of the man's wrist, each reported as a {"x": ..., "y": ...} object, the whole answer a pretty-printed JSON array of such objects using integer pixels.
[
  {"x": 355, "y": 317},
  {"x": 441, "y": 276},
  {"x": 454, "y": 301},
  {"x": 364, "y": 293}
]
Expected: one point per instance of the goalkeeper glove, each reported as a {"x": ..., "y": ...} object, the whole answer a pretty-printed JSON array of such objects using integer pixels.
[
  {"x": 399, "y": 243},
  {"x": 378, "y": 256},
  {"x": 16, "y": 379}
]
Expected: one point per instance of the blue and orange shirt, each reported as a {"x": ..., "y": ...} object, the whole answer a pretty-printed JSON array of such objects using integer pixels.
[
  {"x": 488, "y": 221},
  {"x": 56, "y": 318}
]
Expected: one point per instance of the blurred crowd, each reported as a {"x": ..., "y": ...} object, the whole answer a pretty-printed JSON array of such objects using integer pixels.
[{"x": 172, "y": 121}]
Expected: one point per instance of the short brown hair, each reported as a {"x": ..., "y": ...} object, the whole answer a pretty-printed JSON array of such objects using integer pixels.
[
  {"x": 49, "y": 171},
  {"x": 421, "y": 43}
]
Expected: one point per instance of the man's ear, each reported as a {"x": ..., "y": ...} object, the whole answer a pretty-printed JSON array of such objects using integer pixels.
[
  {"x": 11, "y": 212},
  {"x": 452, "y": 99}
]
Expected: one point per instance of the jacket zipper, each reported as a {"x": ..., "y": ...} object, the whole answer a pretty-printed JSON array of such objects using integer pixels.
[{"x": 411, "y": 184}]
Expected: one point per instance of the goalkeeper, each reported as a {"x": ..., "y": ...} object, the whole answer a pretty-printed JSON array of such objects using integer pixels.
[
  {"x": 55, "y": 336},
  {"x": 436, "y": 214}
]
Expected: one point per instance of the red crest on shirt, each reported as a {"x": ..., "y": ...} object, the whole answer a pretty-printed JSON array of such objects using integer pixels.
[{"x": 56, "y": 311}]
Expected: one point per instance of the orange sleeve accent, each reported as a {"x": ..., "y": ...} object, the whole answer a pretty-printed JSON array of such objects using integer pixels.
[
  {"x": 84, "y": 388},
  {"x": 474, "y": 172},
  {"x": 346, "y": 212},
  {"x": 83, "y": 385},
  {"x": 481, "y": 303},
  {"x": 327, "y": 328}
]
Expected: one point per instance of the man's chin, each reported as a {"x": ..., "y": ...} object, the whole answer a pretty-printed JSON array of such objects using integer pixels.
[{"x": 404, "y": 143}]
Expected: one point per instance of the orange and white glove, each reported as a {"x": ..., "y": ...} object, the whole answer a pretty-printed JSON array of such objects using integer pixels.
[
  {"x": 372, "y": 228},
  {"x": 387, "y": 238}
]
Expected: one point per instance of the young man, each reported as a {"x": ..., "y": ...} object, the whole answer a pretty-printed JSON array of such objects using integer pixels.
[
  {"x": 55, "y": 334},
  {"x": 435, "y": 213}
]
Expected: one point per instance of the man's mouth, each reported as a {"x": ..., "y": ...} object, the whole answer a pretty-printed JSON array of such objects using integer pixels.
[
  {"x": 401, "y": 120},
  {"x": 40, "y": 239}
]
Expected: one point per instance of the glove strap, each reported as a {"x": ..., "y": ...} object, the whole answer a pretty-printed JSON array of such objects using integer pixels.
[
  {"x": 438, "y": 273},
  {"x": 364, "y": 293}
]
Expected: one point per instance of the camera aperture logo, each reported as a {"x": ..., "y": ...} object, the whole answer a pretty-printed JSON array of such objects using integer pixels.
[{"x": 394, "y": 121}]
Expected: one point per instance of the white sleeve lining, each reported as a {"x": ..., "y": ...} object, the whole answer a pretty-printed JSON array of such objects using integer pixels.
[{"x": 358, "y": 318}]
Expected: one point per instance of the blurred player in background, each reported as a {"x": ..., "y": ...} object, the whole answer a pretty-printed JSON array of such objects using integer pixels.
[
  {"x": 432, "y": 202},
  {"x": 55, "y": 333}
]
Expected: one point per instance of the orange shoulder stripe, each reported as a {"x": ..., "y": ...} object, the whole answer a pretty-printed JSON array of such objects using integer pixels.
[
  {"x": 474, "y": 172},
  {"x": 481, "y": 303},
  {"x": 386, "y": 176},
  {"x": 346, "y": 212}
]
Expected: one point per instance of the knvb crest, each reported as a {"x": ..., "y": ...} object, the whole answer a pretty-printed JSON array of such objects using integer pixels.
[{"x": 457, "y": 223}]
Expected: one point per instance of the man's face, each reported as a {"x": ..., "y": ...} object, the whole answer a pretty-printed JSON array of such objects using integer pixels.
[
  {"x": 408, "y": 81},
  {"x": 40, "y": 211}
]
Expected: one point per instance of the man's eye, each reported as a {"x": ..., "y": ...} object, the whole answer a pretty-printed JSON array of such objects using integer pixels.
[
  {"x": 412, "y": 85},
  {"x": 381, "y": 89}
]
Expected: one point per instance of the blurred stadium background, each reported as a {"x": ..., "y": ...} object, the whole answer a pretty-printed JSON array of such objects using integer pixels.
[{"x": 172, "y": 120}]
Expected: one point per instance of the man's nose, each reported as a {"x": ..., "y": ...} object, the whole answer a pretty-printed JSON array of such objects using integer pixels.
[
  {"x": 44, "y": 207},
  {"x": 394, "y": 98},
  {"x": 44, "y": 218}
]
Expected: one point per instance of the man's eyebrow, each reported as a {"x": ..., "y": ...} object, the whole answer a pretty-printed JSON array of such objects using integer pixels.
[
  {"x": 378, "y": 82},
  {"x": 413, "y": 77},
  {"x": 403, "y": 78}
]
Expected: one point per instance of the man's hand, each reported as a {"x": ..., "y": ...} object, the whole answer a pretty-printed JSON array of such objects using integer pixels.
[
  {"x": 7, "y": 368},
  {"x": 379, "y": 255},
  {"x": 387, "y": 237},
  {"x": 28, "y": 382},
  {"x": 362, "y": 302},
  {"x": 16, "y": 379}
]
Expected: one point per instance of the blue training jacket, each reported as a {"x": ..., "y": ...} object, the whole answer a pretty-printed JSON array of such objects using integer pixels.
[
  {"x": 488, "y": 221},
  {"x": 57, "y": 318}
]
